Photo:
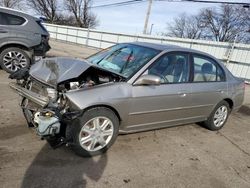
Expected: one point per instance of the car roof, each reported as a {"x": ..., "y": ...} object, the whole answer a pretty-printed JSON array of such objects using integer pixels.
[
  {"x": 169, "y": 47},
  {"x": 155, "y": 46},
  {"x": 16, "y": 12}
]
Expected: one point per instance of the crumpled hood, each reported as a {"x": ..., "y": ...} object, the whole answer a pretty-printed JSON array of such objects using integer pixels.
[{"x": 55, "y": 70}]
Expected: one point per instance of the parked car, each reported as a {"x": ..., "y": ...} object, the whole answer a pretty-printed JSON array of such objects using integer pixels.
[
  {"x": 21, "y": 38},
  {"x": 126, "y": 88}
]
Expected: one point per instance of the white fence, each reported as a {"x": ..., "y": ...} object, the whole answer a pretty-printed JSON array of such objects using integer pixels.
[{"x": 236, "y": 56}]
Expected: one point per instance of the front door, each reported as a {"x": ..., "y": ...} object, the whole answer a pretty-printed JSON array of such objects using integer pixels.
[{"x": 167, "y": 104}]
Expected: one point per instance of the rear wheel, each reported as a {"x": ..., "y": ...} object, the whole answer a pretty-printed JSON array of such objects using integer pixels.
[
  {"x": 13, "y": 59},
  {"x": 94, "y": 132},
  {"x": 218, "y": 117}
]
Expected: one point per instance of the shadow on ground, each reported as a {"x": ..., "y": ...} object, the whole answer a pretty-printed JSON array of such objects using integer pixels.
[
  {"x": 62, "y": 168},
  {"x": 245, "y": 110}
]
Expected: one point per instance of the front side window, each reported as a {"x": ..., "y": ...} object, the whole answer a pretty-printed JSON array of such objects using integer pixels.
[
  {"x": 124, "y": 59},
  {"x": 206, "y": 70},
  {"x": 171, "y": 68},
  {"x": 8, "y": 19}
]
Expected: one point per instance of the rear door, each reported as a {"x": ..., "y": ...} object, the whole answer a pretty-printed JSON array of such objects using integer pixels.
[
  {"x": 209, "y": 84},
  {"x": 4, "y": 30}
]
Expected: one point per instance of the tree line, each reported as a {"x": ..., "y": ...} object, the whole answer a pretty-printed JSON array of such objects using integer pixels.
[
  {"x": 65, "y": 12},
  {"x": 229, "y": 23}
]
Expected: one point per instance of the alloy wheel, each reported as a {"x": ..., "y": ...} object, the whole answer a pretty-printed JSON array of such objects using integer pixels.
[
  {"x": 96, "y": 134},
  {"x": 220, "y": 116},
  {"x": 14, "y": 60}
]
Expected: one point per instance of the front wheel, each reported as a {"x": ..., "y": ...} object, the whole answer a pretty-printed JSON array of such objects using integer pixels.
[
  {"x": 94, "y": 132},
  {"x": 218, "y": 117}
]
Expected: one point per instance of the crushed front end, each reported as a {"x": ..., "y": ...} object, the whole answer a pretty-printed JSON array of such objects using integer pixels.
[
  {"x": 45, "y": 109},
  {"x": 44, "y": 90}
]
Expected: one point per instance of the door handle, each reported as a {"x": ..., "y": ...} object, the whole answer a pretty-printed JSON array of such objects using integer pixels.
[
  {"x": 220, "y": 91},
  {"x": 181, "y": 94}
]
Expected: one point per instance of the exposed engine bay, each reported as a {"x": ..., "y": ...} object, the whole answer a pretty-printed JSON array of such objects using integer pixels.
[
  {"x": 46, "y": 124},
  {"x": 44, "y": 103},
  {"x": 92, "y": 77}
]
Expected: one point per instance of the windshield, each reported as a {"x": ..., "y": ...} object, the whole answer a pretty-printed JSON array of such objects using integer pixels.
[{"x": 124, "y": 59}]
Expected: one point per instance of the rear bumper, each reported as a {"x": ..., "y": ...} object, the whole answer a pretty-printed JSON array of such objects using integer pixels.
[{"x": 34, "y": 97}]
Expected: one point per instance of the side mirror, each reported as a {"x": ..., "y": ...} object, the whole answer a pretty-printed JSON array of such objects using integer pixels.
[{"x": 148, "y": 80}]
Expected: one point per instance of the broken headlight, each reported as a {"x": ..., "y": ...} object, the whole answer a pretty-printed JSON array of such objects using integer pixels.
[
  {"x": 52, "y": 93},
  {"x": 74, "y": 85}
]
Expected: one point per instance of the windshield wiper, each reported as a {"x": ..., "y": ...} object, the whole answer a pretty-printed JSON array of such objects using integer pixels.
[{"x": 126, "y": 64}]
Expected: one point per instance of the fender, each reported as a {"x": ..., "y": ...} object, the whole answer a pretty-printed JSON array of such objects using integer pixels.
[
  {"x": 26, "y": 42},
  {"x": 27, "y": 49}
]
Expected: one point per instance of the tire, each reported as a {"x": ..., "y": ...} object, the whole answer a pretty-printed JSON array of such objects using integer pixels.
[
  {"x": 210, "y": 123},
  {"x": 12, "y": 59},
  {"x": 76, "y": 132}
]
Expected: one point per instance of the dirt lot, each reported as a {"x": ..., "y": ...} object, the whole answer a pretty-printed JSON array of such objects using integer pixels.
[{"x": 184, "y": 156}]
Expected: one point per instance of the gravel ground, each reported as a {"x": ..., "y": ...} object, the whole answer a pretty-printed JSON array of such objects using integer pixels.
[{"x": 183, "y": 156}]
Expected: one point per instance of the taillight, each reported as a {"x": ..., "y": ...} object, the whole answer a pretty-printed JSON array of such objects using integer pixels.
[{"x": 41, "y": 25}]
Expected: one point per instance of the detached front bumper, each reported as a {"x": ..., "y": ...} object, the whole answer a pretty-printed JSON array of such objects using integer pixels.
[{"x": 34, "y": 97}]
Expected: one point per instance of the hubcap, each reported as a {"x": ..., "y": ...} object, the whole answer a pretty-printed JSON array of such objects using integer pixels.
[
  {"x": 14, "y": 60},
  {"x": 96, "y": 133},
  {"x": 220, "y": 116}
]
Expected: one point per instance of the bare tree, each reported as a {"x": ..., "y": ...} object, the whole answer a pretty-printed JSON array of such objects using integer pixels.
[
  {"x": 243, "y": 15},
  {"x": 65, "y": 19},
  {"x": 46, "y": 8},
  {"x": 185, "y": 26},
  {"x": 227, "y": 24},
  {"x": 10, "y": 3},
  {"x": 81, "y": 11}
]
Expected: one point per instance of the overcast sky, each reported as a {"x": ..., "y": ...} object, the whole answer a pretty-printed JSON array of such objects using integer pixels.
[{"x": 130, "y": 18}]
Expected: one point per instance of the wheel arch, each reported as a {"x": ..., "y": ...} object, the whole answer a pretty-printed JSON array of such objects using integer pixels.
[
  {"x": 17, "y": 45},
  {"x": 105, "y": 106},
  {"x": 230, "y": 102}
]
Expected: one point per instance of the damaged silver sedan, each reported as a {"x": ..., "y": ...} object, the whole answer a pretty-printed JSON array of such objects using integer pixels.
[{"x": 126, "y": 88}]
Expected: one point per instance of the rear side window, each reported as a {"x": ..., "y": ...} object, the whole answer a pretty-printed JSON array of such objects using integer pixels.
[
  {"x": 8, "y": 19},
  {"x": 207, "y": 70}
]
